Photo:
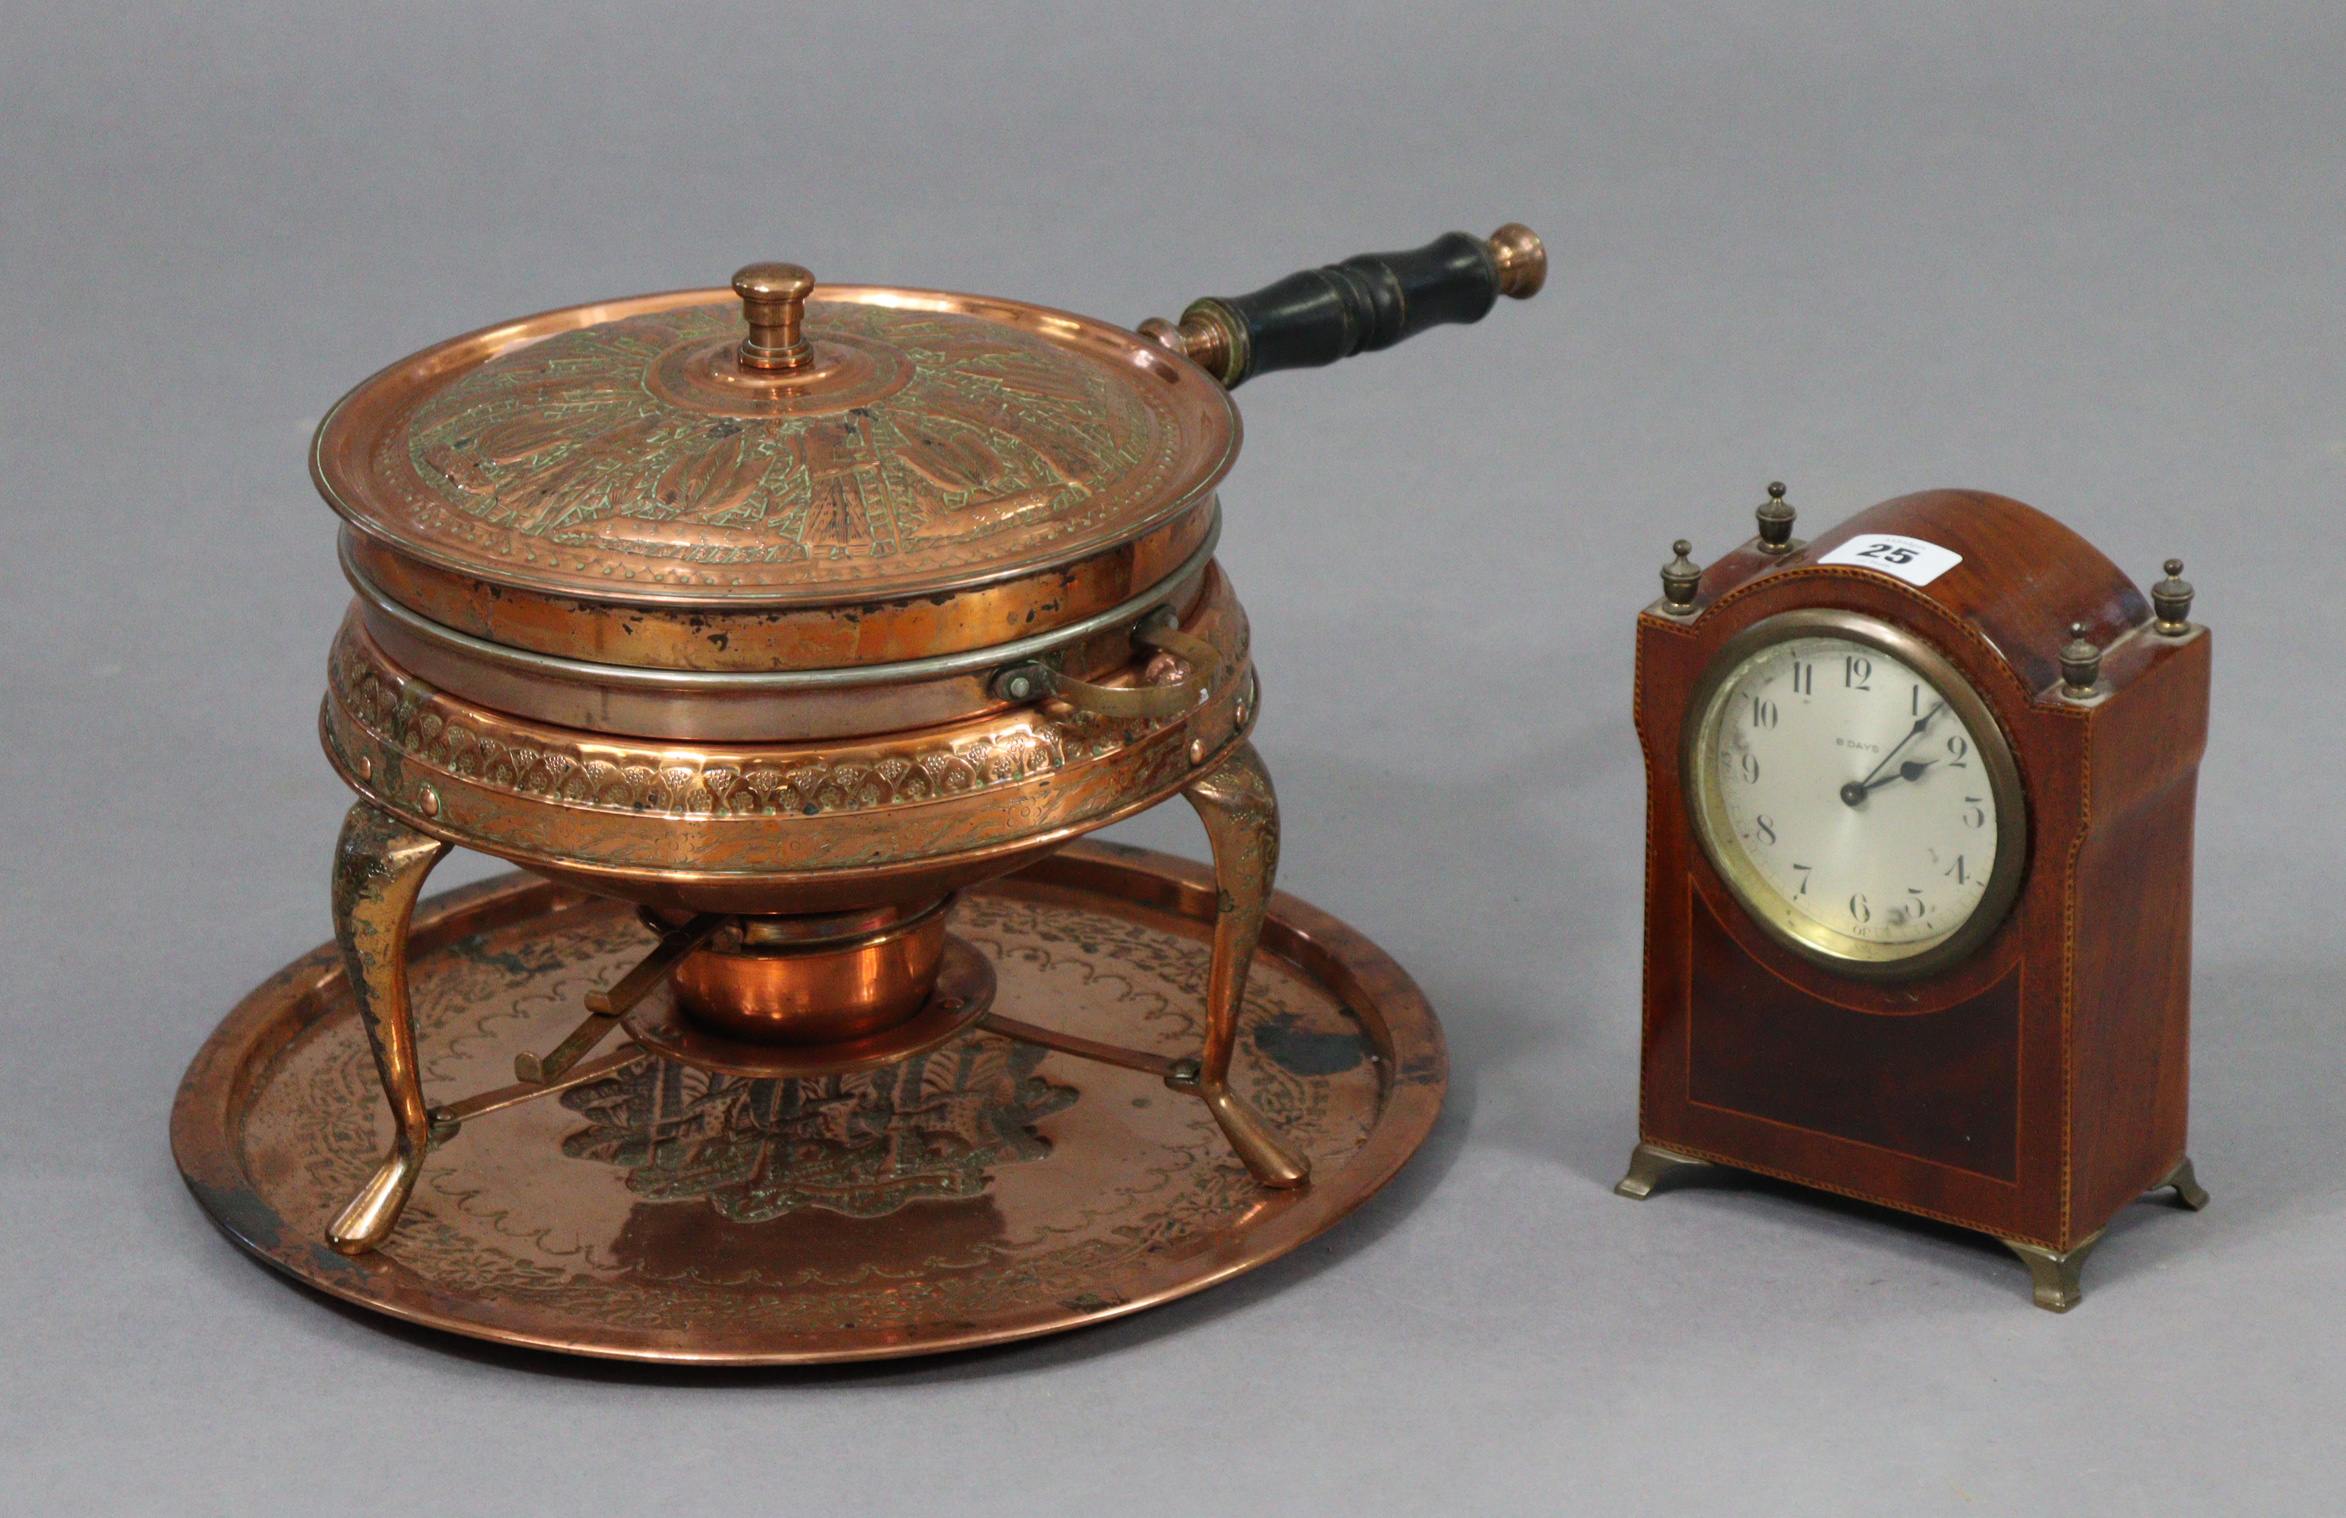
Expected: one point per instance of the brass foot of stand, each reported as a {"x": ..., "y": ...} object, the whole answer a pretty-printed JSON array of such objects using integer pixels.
[
  {"x": 1267, "y": 1156},
  {"x": 379, "y": 868},
  {"x": 1241, "y": 815},
  {"x": 1647, "y": 1165}
]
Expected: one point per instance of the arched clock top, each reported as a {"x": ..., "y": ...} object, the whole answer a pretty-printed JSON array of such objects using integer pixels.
[{"x": 2023, "y": 581}]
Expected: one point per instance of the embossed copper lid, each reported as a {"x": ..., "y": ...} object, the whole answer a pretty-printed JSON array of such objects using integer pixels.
[{"x": 776, "y": 476}]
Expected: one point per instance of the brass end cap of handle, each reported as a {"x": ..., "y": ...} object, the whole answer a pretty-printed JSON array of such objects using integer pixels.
[{"x": 1522, "y": 259}]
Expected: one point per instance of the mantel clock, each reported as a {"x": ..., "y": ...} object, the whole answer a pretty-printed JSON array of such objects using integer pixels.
[{"x": 1918, "y": 885}]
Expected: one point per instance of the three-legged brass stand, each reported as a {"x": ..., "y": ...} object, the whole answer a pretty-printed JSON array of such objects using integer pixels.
[{"x": 379, "y": 869}]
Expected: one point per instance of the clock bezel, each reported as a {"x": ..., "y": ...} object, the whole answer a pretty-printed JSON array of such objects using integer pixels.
[{"x": 1767, "y": 907}]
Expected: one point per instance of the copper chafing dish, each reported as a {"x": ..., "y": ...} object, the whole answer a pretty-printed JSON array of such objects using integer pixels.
[{"x": 787, "y": 610}]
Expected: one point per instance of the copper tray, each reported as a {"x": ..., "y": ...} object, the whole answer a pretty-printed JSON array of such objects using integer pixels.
[{"x": 989, "y": 1190}]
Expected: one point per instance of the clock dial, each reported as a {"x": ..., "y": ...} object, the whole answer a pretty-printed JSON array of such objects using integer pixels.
[{"x": 1846, "y": 798}]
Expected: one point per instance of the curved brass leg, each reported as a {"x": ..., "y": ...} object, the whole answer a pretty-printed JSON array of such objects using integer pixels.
[
  {"x": 1241, "y": 813},
  {"x": 379, "y": 869},
  {"x": 1648, "y": 1163},
  {"x": 2056, "y": 1271}
]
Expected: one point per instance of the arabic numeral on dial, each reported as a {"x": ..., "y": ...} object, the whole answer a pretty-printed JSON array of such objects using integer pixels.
[
  {"x": 1763, "y": 712},
  {"x": 1956, "y": 871},
  {"x": 1855, "y": 672},
  {"x": 1804, "y": 679},
  {"x": 1750, "y": 765},
  {"x": 1804, "y": 874},
  {"x": 1860, "y": 910},
  {"x": 1958, "y": 753},
  {"x": 1974, "y": 815},
  {"x": 1763, "y": 826}
]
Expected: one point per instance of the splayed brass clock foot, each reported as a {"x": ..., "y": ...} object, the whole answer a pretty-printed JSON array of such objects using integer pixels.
[
  {"x": 2056, "y": 1271},
  {"x": 1648, "y": 1163},
  {"x": 1240, "y": 811},
  {"x": 2057, "y": 1285},
  {"x": 2185, "y": 1184},
  {"x": 379, "y": 867}
]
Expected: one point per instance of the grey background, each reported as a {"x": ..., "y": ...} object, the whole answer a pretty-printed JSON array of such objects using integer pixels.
[{"x": 2088, "y": 256}]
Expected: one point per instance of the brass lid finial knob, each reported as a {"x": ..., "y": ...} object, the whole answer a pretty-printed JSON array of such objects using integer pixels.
[
  {"x": 773, "y": 299},
  {"x": 2171, "y": 598}
]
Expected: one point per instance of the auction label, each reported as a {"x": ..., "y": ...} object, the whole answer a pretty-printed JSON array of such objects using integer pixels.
[{"x": 1909, "y": 559}]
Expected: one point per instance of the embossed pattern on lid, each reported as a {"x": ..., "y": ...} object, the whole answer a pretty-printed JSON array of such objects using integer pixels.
[{"x": 620, "y": 453}]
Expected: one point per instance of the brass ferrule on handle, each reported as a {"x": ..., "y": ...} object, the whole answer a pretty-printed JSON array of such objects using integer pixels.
[
  {"x": 773, "y": 301},
  {"x": 1206, "y": 336}
]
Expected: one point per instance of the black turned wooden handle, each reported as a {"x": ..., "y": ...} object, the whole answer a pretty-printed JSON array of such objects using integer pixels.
[{"x": 1365, "y": 303}]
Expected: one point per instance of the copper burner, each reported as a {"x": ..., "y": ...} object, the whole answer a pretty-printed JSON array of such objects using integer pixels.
[{"x": 814, "y": 980}]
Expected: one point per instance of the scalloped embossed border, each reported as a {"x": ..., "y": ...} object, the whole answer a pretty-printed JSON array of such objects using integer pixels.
[{"x": 424, "y": 725}]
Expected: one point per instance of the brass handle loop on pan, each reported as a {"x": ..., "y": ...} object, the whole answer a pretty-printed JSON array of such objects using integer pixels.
[{"x": 1159, "y": 630}]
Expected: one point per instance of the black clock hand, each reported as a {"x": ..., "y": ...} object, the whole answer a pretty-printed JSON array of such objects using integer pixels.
[
  {"x": 1854, "y": 792},
  {"x": 1912, "y": 733},
  {"x": 1911, "y": 770}
]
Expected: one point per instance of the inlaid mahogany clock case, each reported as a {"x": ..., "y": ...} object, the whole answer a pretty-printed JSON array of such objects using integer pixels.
[{"x": 2039, "y": 1085}]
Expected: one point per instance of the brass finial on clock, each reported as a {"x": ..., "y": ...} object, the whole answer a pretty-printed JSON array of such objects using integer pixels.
[
  {"x": 1775, "y": 521},
  {"x": 1679, "y": 578},
  {"x": 2171, "y": 599},
  {"x": 2081, "y": 665},
  {"x": 773, "y": 299}
]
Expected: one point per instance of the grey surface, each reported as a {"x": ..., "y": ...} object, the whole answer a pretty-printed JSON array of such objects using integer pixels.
[{"x": 2090, "y": 257}]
